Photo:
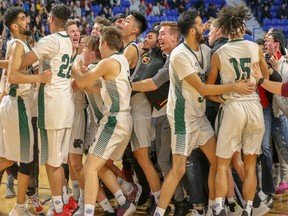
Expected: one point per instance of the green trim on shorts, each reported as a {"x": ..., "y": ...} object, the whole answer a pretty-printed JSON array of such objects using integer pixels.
[
  {"x": 24, "y": 132},
  {"x": 94, "y": 106},
  {"x": 13, "y": 90},
  {"x": 41, "y": 107},
  {"x": 44, "y": 145},
  {"x": 114, "y": 95},
  {"x": 179, "y": 111},
  {"x": 219, "y": 121},
  {"x": 105, "y": 136},
  {"x": 180, "y": 143}
]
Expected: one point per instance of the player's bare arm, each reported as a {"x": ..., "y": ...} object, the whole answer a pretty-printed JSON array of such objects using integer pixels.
[
  {"x": 89, "y": 78},
  {"x": 28, "y": 59},
  {"x": 15, "y": 76},
  {"x": 273, "y": 87},
  {"x": 144, "y": 85},
  {"x": 132, "y": 56}
]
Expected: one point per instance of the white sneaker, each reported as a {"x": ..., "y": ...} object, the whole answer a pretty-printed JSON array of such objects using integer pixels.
[
  {"x": 10, "y": 193},
  {"x": 50, "y": 211},
  {"x": 261, "y": 210},
  {"x": 36, "y": 204},
  {"x": 196, "y": 213},
  {"x": 17, "y": 211}
]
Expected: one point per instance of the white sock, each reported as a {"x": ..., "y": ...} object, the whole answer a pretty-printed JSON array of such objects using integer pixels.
[
  {"x": 160, "y": 211},
  {"x": 231, "y": 200},
  {"x": 211, "y": 204},
  {"x": 65, "y": 195},
  {"x": 58, "y": 204},
  {"x": 75, "y": 190},
  {"x": 120, "y": 197},
  {"x": 89, "y": 209},
  {"x": 21, "y": 205},
  {"x": 106, "y": 206},
  {"x": 248, "y": 206},
  {"x": 219, "y": 201},
  {"x": 156, "y": 196},
  {"x": 81, "y": 192},
  {"x": 125, "y": 186}
]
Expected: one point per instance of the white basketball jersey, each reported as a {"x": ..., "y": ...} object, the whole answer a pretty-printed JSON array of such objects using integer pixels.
[
  {"x": 20, "y": 89},
  {"x": 236, "y": 58},
  {"x": 185, "y": 104},
  {"x": 55, "y": 100},
  {"x": 116, "y": 93}
]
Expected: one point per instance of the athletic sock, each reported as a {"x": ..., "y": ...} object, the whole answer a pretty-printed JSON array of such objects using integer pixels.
[
  {"x": 120, "y": 197},
  {"x": 156, "y": 196},
  {"x": 89, "y": 209},
  {"x": 106, "y": 206},
  {"x": 125, "y": 186},
  {"x": 75, "y": 190},
  {"x": 58, "y": 204}
]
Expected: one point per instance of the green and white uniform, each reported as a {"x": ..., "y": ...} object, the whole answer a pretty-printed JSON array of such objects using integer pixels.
[
  {"x": 15, "y": 112},
  {"x": 186, "y": 107},
  {"x": 239, "y": 123},
  {"x": 115, "y": 127},
  {"x": 55, "y": 99}
]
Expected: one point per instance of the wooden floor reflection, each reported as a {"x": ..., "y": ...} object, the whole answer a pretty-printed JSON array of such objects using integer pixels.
[{"x": 280, "y": 202}]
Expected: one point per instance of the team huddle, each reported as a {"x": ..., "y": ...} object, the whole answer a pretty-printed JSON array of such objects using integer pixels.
[{"x": 97, "y": 95}]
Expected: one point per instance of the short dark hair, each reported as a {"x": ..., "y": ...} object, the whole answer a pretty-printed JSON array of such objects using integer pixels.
[
  {"x": 113, "y": 36},
  {"x": 186, "y": 21},
  {"x": 140, "y": 21},
  {"x": 62, "y": 13},
  {"x": 93, "y": 44},
  {"x": 10, "y": 15}
]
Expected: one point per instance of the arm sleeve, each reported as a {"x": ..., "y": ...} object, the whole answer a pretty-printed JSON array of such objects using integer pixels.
[
  {"x": 284, "y": 89},
  {"x": 163, "y": 75},
  {"x": 45, "y": 48}
]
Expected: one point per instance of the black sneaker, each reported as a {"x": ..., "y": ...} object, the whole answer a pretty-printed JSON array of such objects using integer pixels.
[
  {"x": 222, "y": 213},
  {"x": 244, "y": 213},
  {"x": 151, "y": 203},
  {"x": 181, "y": 208},
  {"x": 269, "y": 201},
  {"x": 106, "y": 213}
]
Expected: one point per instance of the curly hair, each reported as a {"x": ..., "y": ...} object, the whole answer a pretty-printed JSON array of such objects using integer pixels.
[
  {"x": 232, "y": 20},
  {"x": 10, "y": 15},
  {"x": 62, "y": 13}
]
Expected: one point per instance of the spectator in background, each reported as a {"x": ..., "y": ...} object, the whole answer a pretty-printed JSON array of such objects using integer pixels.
[
  {"x": 149, "y": 9},
  {"x": 212, "y": 11},
  {"x": 266, "y": 13},
  {"x": 165, "y": 4},
  {"x": 115, "y": 3},
  {"x": 143, "y": 7},
  {"x": 282, "y": 13},
  {"x": 134, "y": 5},
  {"x": 77, "y": 8},
  {"x": 90, "y": 18},
  {"x": 126, "y": 12},
  {"x": 3, "y": 7},
  {"x": 156, "y": 10},
  {"x": 31, "y": 12}
]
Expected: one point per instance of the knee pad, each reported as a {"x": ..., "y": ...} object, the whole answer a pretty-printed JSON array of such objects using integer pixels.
[{"x": 25, "y": 168}]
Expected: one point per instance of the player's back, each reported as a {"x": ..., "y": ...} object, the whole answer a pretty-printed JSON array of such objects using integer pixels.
[{"x": 237, "y": 58}]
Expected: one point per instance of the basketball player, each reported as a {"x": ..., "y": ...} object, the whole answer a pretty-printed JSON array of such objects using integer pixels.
[
  {"x": 54, "y": 119},
  {"x": 186, "y": 105},
  {"x": 115, "y": 126},
  {"x": 234, "y": 61},
  {"x": 15, "y": 109}
]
